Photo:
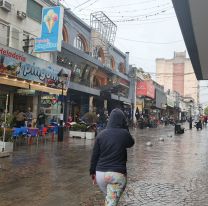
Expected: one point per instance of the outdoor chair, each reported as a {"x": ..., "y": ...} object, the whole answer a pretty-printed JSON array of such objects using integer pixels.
[{"x": 33, "y": 133}]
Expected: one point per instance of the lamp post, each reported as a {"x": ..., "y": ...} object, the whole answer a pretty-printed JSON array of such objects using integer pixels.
[
  {"x": 62, "y": 79},
  {"x": 190, "y": 118}
]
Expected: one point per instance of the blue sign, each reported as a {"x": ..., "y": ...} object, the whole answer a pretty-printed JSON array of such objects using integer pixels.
[
  {"x": 28, "y": 67},
  {"x": 51, "y": 33}
]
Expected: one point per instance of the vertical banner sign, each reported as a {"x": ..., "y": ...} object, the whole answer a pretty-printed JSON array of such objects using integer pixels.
[{"x": 51, "y": 30}]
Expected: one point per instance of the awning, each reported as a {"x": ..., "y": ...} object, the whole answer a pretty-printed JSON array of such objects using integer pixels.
[
  {"x": 28, "y": 85},
  {"x": 192, "y": 16}
]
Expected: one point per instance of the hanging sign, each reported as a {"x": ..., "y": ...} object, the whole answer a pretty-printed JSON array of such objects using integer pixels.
[{"x": 51, "y": 30}]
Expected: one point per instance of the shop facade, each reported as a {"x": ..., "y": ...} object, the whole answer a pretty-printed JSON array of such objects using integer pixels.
[
  {"x": 30, "y": 82},
  {"x": 145, "y": 92}
]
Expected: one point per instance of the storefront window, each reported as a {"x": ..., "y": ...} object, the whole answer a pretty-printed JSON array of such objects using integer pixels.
[
  {"x": 2, "y": 102},
  {"x": 51, "y": 106}
]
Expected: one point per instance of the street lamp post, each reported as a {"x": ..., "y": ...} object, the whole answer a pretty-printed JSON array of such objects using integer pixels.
[
  {"x": 62, "y": 78},
  {"x": 190, "y": 118}
]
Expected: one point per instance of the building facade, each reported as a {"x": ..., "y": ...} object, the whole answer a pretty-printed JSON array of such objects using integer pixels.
[
  {"x": 98, "y": 80},
  {"x": 177, "y": 75}
]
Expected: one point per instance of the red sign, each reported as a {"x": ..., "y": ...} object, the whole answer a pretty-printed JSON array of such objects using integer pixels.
[{"x": 145, "y": 88}]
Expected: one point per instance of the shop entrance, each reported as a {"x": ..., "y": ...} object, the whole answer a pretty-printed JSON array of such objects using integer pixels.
[
  {"x": 2, "y": 101},
  {"x": 22, "y": 102}
]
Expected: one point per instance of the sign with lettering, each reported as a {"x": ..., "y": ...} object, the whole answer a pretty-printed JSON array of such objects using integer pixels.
[
  {"x": 51, "y": 30},
  {"x": 24, "y": 66},
  {"x": 145, "y": 88}
]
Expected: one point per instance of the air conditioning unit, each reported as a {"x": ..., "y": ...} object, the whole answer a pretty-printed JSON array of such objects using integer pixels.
[
  {"x": 5, "y": 5},
  {"x": 21, "y": 15}
]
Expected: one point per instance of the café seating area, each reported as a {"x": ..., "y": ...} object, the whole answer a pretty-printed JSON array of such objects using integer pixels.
[{"x": 33, "y": 135}]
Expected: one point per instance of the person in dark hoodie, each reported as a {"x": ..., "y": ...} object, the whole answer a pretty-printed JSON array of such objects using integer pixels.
[{"x": 109, "y": 157}]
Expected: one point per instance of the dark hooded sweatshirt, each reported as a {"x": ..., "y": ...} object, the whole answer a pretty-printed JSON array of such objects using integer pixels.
[{"x": 109, "y": 152}]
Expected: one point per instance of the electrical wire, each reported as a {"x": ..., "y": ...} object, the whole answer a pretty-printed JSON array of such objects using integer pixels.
[
  {"x": 132, "y": 11},
  {"x": 82, "y": 4},
  {"x": 89, "y": 5},
  {"x": 146, "y": 42},
  {"x": 125, "y": 5}
]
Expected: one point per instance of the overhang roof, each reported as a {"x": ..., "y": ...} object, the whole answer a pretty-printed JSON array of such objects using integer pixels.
[{"x": 192, "y": 16}]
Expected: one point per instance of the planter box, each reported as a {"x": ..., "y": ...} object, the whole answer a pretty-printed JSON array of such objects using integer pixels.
[
  {"x": 8, "y": 146},
  {"x": 90, "y": 135},
  {"x": 77, "y": 134}
]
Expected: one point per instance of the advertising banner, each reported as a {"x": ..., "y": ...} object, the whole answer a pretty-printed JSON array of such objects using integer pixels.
[
  {"x": 170, "y": 101},
  {"x": 20, "y": 65},
  {"x": 51, "y": 30},
  {"x": 146, "y": 89}
]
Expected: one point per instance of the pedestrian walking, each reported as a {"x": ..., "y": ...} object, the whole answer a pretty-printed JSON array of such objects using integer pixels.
[{"x": 109, "y": 157}]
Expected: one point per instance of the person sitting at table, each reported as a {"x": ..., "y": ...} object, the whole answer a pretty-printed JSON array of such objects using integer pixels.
[
  {"x": 41, "y": 120},
  {"x": 53, "y": 121},
  {"x": 20, "y": 119}
]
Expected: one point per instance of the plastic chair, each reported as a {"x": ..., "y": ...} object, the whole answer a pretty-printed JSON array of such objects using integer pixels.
[
  {"x": 16, "y": 133},
  {"x": 33, "y": 132},
  {"x": 43, "y": 132}
]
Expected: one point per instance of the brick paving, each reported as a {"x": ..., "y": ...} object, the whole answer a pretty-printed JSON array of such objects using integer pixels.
[{"x": 173, "y": 172}]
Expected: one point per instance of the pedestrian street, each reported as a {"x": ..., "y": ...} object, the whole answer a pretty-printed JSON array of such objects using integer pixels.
[{"x": 170, "y": 172}]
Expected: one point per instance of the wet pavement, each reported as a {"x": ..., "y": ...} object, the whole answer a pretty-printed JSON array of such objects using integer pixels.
[{"x": 173, "y": 172}]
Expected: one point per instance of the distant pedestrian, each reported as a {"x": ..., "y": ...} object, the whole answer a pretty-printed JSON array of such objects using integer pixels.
[
  {"x": 109, "y": 157},
  {"x": 29, "y": 117}
]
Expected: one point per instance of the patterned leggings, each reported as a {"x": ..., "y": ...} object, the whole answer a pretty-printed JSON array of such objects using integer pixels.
[{"x": 112, "y": 184}]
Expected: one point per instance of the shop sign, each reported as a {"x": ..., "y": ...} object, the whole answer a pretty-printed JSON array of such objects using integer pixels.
[
  {"x": 26, "y": 92},
  {"x": 124, "y": 82},
  {"x": 21, "y": 65},
  {"x": 145, "y": 88},
  {"x": 51, "y": 30},
  {"x": 170, "y": 101}
]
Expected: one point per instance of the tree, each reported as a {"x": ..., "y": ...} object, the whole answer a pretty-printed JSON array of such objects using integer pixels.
[{"x": 206, "y": 110}]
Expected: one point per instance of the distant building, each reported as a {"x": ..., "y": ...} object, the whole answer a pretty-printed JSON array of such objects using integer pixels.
[{"x": 177, "y": 74}]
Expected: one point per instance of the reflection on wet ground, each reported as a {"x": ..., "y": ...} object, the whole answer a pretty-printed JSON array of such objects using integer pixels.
[{"x": 171, "y": 172}]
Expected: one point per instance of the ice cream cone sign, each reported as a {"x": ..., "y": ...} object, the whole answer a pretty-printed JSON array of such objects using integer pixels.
[{"x": 50, "y": 18}]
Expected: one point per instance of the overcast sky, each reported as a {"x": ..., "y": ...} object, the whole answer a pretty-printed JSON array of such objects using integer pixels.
[{"x": 148, "y": 29}]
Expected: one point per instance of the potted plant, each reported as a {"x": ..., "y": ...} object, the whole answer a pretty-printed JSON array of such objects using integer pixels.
[
  {"x": 90, "y": 132},
  {"x": 90, "y": 118},
  {"x": 78, "y": 130},
  {"x": 6, "y": 145}
]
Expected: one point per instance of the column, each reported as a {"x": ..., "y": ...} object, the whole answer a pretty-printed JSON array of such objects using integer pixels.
[
  {"x": 105, "y": 105},
  {"x": 11, "y": 101},
  {"x": 35, "y": 107},
  {"x": 91, "y": 104}
]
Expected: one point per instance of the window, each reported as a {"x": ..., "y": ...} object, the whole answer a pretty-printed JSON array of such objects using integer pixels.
[
  {"x": 15, "y": 38},
  {"x": 78, "y": 43},
  {"x": 81, "y": 43},
  {"x": 101, "y": 56},
  {"x": 4, "y": 34},
  {"x": 112, "y": 62},
  {"x": 28, "y": 42},
  {"x": 34, "y": 10},
  {"x": 122, "y": 68},
  {"x": 65, "y": 34}
]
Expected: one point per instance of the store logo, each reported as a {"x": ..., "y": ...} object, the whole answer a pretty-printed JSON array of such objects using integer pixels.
[{"x": 42, "y": 73}]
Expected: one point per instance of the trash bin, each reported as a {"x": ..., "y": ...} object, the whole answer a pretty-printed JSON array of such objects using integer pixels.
[{"x": 179, "y": 129}]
